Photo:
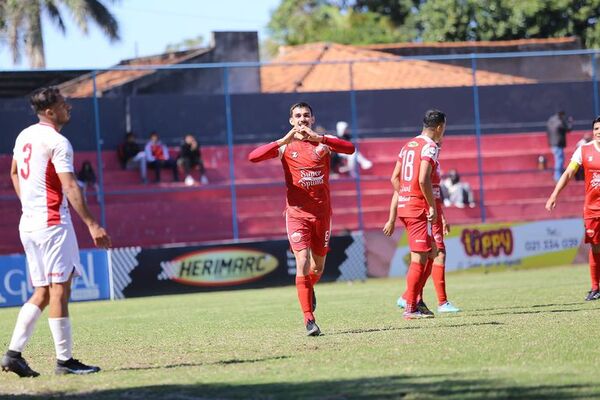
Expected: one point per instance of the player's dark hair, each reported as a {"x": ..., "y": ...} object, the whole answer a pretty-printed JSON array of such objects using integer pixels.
[
  {"x": 433, "y": 118},
  {"x": 301, "y": 104},
  {"x": 595, "y": 121},
  {"x": 44, "y": 98}
]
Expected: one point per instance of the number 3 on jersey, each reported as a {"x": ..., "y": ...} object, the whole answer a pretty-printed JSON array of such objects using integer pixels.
[
  {"x": 408, "y": 165},
  {"x": 25, "y": 172}
]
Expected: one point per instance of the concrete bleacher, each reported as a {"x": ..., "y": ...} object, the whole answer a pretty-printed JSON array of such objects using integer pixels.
[{"x": 155, "y": 214}]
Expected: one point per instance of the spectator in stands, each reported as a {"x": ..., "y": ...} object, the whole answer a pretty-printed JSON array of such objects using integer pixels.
[
  {"x": 190, "y": 157},
  {"x": 343, "y": 132},
  {"x": 557, "y": 127},
  {"x": 131, "y": 155},
  {"x": 455, "y": 192},
  {"x": 587, "y": 137},
  {"x": 157, "y": 157},
  {"x": 87, "y": 177}
]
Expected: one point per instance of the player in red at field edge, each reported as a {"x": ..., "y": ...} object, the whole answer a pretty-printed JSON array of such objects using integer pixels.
[
  {"x": 305, "y": 156},
  {"x": 437, "y": 268},
  {"x": 414, "y": 203},
  {"x": 588, "y": 157}
]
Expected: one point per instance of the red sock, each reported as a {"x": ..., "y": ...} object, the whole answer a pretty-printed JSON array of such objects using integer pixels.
[
  {"x": 315, "y": 278},
  {"x": 439, "y": 281},
  {"x": 304, "y": 288},
  {"x": 595, "y": 269},
  {"x": 426, "y": 274},
  {"x": 413, "y": 280}
]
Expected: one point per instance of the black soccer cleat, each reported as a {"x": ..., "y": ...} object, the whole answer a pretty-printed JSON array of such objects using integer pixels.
[
  {"x": 73, "y": 366},
  {"x": 314, "y": 300},
  {"x": 592, "y": 295},
  {"x": 18, "y": 365},
  {"x": 422, "y": 307},
  {"x": 312, "y": 329}
]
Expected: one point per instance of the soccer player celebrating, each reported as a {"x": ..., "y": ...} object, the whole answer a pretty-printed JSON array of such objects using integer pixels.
[
  {"x": 437, "y": 267},
  {"x": 305, "y": 156},
  {"x": 587, "y": 156},
  {"x": 414, "y": 203},
  {"x": 42, "y": 174}
]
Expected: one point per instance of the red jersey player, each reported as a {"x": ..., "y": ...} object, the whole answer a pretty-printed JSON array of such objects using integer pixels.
[
  {"x": 587, "y": 156},
  {"x": 42, "y": 176},
  {"x": 305, "y": 156},
  {"x": 437, "y": 268},
  {"x": 414, "y": 203}
]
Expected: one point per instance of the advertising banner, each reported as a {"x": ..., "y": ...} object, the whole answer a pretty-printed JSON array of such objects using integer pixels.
[
  {"x": 157, "y": 271},
  {"x": 522, "y": 244},
  {"x": 15, "y": 285}
]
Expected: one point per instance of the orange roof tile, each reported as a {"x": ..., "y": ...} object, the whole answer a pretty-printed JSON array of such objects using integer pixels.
[
  {"x": 83, "y": 85},
  {"x": 392, "y": 72}
]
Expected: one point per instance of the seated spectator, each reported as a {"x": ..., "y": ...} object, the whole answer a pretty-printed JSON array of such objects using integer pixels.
[
  {"x": 190, "y": 157},
  {"x": 131, "y": 155},
  {"x": 343, "y": 131},
  {"x": 87, "y": 177},
  {"x": 455, "y": 192},
  {"x": 157, "y": 157}
]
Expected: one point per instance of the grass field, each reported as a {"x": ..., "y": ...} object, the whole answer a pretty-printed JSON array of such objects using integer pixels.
[{"x": 523, "y": 334}]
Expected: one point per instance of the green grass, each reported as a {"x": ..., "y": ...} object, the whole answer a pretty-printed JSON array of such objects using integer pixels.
[{"x": 523, "y": 334}]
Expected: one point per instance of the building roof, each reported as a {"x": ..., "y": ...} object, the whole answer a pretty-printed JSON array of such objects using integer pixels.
[
  {"x": 571, "y": 40},
  {"x": 83, "y": 85},
  {"x": 390, "y": 72}
]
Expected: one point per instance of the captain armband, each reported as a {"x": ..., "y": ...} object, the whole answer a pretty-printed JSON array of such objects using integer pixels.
[{"x": 573, "y": 165}]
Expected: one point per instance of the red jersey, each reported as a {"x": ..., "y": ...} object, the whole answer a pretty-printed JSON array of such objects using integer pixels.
[
  {"x": 588, "y": 157},
  {"x": 411, "y": 201},
  {"x": 306, "y": 169}
]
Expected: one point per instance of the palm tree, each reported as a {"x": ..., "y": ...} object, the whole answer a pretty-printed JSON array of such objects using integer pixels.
[{"x": 21, "y": 23}]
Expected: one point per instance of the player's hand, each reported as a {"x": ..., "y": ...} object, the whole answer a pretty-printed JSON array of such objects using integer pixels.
[
  {"x": 311, "y": 135},
  {"x": 388, "y": 229},
  {"x": 288, "y": 136},
  {"x": 432, "y": 215},
  {"x": 551, "y": 203},
  {"x": 445, "y": 226},
  {"x": 99, "y": 236}
]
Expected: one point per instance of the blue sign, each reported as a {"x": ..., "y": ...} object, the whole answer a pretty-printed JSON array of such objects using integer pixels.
[{"x": 93, "y": 284}]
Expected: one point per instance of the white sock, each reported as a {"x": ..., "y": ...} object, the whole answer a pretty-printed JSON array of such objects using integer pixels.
[
  {"x": 24, "y": 327},
  {"x": 63, "y": 341}
]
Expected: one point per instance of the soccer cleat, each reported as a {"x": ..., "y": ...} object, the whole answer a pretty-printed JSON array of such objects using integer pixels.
[
  {"x": 592, "y": 295},
  {"x": 312, "y": 329},
  {"x": 189, "y": 181},
  {"x": 401, "y": 302},
  {"x": 18, "y": 365},
  {"x": 314, "y": 300},
  {"x": 414, "y": 315},
  {"x": 73, "y": 366},
  {"x": 422, "y": 307},
  {"x": 448, "y": 307}
]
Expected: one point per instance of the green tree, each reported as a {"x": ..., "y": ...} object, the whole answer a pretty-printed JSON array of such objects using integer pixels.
[
  {"x": 186, "y": 44},
  {"x": 304, "y": 21},
  {"x": 23, "y": 29}
]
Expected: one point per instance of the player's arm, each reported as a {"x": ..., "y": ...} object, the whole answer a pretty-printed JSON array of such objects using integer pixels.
[
  {"x": 14, "y": 177},
  {"x": 427, "y": 189},
  {"x": 395, "y": 179},
  {"x": 561, "y": 184},
  {"x": 75, "y": 197},
  {"x": 270, "y": 150},
  {"x": 388, "y": 229},
  {"x": 335, "y": 144},
  {"x": 445, "y": 224}
]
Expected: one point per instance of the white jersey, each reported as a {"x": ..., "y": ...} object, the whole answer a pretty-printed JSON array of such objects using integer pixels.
[{"x": 41, "y": 154}]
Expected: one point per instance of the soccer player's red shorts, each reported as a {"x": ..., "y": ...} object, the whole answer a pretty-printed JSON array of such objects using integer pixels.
[
  {"x": 437, "y": 230},
  {"x": 306, "y": 232},
  {"x": 419, "y": 240},
  {"x": 592, "y": 230}
]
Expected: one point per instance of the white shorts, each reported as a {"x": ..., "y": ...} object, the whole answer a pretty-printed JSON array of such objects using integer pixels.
[{"x": 52, "y": 254}]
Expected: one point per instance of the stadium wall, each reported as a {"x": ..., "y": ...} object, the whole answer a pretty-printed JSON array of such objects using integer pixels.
[{"x": 260, "y": 117}]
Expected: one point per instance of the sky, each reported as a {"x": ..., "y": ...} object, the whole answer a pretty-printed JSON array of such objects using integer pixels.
[{"x": 147, "y": 27}]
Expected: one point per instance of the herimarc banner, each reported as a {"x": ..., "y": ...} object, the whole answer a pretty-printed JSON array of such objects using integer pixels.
[
  {"x": 225, "y": 266},
  {"x": 512, "y": 244}
]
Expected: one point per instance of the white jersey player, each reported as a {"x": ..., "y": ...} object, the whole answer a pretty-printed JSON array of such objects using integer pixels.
[{"x": 42, "y": 175}]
